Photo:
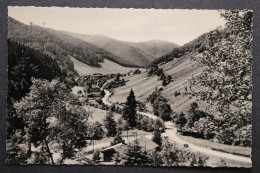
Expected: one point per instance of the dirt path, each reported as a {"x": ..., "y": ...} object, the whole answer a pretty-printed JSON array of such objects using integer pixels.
[{"x": 171, "y": 132}]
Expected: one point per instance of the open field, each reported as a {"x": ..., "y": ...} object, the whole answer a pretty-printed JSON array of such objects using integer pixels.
[
  {"x": 107, "y": 67},
  {"x": 99, "y": 114},
  {"x": 181, "y": 70}
]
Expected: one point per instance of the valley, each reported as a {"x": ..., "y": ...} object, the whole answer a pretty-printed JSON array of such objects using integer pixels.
[{"x": 95, "y": 100}]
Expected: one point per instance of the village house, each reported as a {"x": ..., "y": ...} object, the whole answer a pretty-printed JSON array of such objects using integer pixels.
[
  {"x": 101, "y": 82},
  {"x": 145, "y": 143},
  {"x": 97, "y": 75},
  {"x": 94, "y": 92}
]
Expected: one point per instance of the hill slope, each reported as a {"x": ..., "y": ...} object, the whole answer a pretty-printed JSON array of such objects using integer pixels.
[
  {"x": 181, "y": 70},
  {"x": 106, "y": 67},
  {"x": 60, "y": 46},
  {"x": 134, "y": 53},
  {"x": 156, "y": 48}
]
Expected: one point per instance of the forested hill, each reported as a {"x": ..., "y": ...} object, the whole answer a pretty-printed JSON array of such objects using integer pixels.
[
  {"x": 59, "y": 46},
  {"x": 197, "y": 46},
  {"x": 25, "y": 62},
  {"x": 138, "y": 53}
]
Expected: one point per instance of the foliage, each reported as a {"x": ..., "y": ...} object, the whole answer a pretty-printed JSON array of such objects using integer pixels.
[
  {"x": 157, "y": 137},
  {"x": 245, "y": 135},
  {"x": 52, "y": 115},
  {"x": 145, "y": 123},
  {"x": 95, "y": 131},
  {"x": 161, "y": 108},
  {"x": 110, "y": 124},
  {"x": 117, "y": 158},
  {"x": 96, "y": 157},
  {"x": 226, "y": 81},
  {"x": 117, "y": 139},
  {"x": 197, "y": 44},
  {"x": 173, "y": 155},
  {"x": 181, "y": 121},
  {"x": 122, "y": 124},
  {"x": 155, "y": 158},
  {"x": 148, "y": 124},
  {"x": 129, "y": 110},
  {"x": 102, "y": 94},
  {"x": 117, "y": 77},
  {"x": 23, "y": 63},
  {"x": 134, "y": 155},
  {"x": 160, "y": 105},
  {"x": 141, "y": 106},
  {"x": 59, "y": 45}
]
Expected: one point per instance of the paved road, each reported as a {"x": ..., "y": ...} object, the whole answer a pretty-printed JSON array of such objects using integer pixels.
[{"x": 171, "y": 132}]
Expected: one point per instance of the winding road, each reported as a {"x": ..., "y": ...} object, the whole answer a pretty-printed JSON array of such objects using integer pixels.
[{"x": 171, "y": 132}]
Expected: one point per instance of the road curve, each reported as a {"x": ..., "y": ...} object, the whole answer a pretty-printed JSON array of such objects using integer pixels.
[{"x": 171, "y": 132}]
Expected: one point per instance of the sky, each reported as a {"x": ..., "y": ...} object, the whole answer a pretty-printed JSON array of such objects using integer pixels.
[{"x": 135, "y": 25}]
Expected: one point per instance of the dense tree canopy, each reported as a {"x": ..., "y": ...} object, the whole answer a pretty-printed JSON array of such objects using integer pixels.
[
  {"x": 53, "y": 116},
  {"x": 23, "y": 63},
  {"x": 226, "y": 82},
  {"x": 110, "y": 123}
]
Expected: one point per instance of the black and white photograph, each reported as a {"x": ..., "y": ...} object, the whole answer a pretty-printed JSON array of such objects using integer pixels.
[{"x": 129, "y": 87}]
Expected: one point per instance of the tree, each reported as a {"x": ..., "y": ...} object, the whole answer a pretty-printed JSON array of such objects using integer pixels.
[
  {"x": 162, "y": 109},
  {"x": 117, "y": 139},
  {"x": 193, "y": 114},
  {"x": 158, "y": 124},
  {"x": 164, "y": 82},
  {"x": 116, "y": 158},
  {"x": 110, "y": 124},
  {"x": 129, "y": 110},
  {"x": 155, "y": 158},
  {"x": 134, "y": 155},
  {"x": 96, "y": 157},
  {"x": 169, "y": 157},
  {"x": 102, "y": 94},
  {"x": 95, "y": 131},
  {"x": 226, "y": 81},
  {"x": 162, "y": 76},
  {"x": 181, "y": 120},
  {"x": 159, "y": 72},
  {"x": 157, "y": 137},
  {"x": 141, "y": 107},
  {"x": 117, "y": 77},
  {"x": 169, "y": 78},
  {"x": 53, "y": 115}
]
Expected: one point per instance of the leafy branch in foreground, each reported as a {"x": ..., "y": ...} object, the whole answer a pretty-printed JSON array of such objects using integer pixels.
[
  {"x": 53, "y": 117},
  {"x": 226, "y": 82}
]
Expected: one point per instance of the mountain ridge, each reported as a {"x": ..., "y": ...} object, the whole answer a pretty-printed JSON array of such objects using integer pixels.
[
  {"x": 141, "y": 53},
  {"x": 59, "y": 46}
]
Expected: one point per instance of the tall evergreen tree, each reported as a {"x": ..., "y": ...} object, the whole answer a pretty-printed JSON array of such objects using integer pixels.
[
  {"x": 135, "y": 156},
  {"x": 129, "y": 111}
]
